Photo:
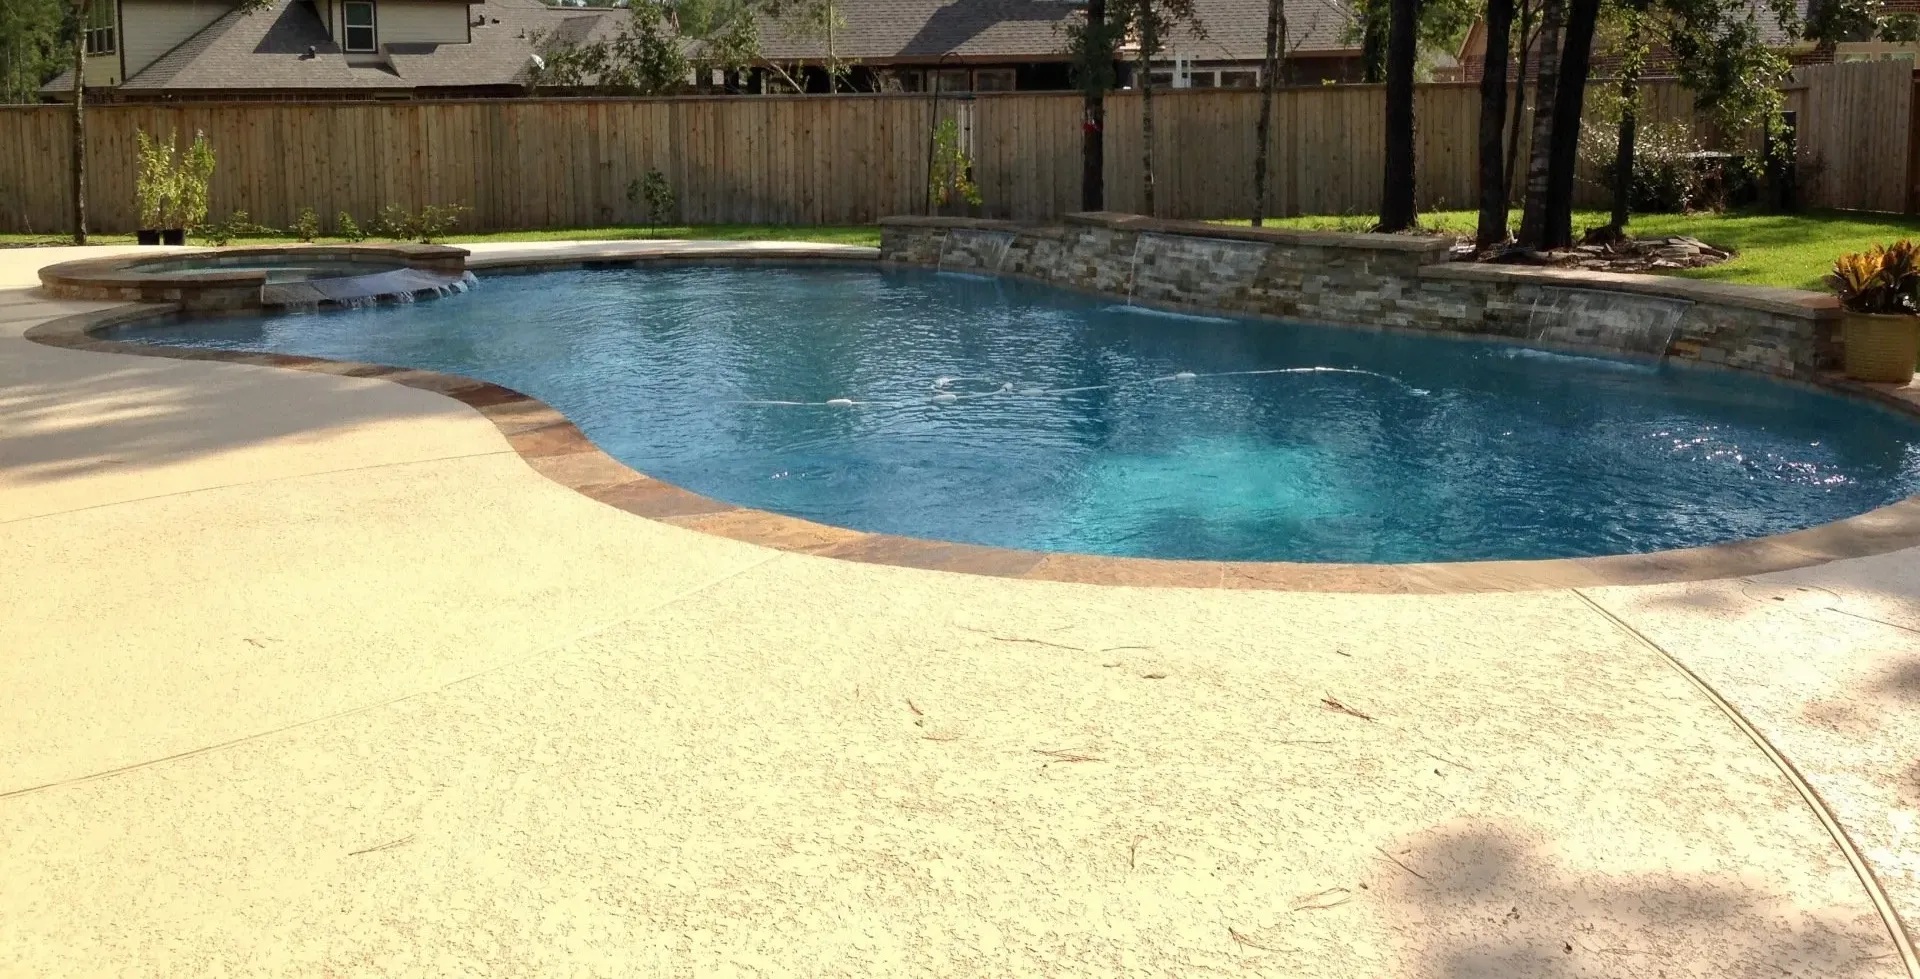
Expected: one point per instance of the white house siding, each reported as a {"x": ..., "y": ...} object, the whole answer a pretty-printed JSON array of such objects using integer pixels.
[
  {"x": 421, "y": 21},
  {"x": 151, "y": 28}
]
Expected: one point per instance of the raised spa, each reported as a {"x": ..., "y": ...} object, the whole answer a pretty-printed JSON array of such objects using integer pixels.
[{"x": 995, "y": 412}]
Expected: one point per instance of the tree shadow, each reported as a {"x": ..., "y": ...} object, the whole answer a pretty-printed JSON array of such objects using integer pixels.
[
  {"x": 72, "y": 414},
  {"x": 1488, "y": 904}
]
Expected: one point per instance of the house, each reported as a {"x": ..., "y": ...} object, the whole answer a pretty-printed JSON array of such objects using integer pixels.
[
  {"x": 186, "y": 50},
  {"x": 1020, "y": 45}
]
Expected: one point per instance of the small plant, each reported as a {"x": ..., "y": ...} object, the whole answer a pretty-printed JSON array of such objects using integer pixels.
[
  {"x": 195, "y": 176},
  {"x": 155, "y": 181},
  {"x": 349, "y": 228},
  {"x": 656, "y": 193},
  {"x": 395, "y": 223},
  {"x": 952, "y": 177},
  {"x": 238, "y": 223},
  {"x": 306, "y": 227},
  {"x": 435, "y": 220},
  {"x": 1880, "y": 280}
]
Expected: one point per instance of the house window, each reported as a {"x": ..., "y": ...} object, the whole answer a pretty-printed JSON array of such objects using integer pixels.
[
  {"x": 1201, "y": 79},
  {"x": 993, "y": 80},
  {"x": 951, "y": 80},
  {"x": 100, "y": 28},
  {"x": 1239, "y": 79},
  {"x": 1161, "y": 79},
  {"x": 359, "y": 18}
]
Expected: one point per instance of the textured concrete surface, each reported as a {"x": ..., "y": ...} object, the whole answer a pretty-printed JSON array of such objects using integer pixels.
[{"x": 314, "y": 676}]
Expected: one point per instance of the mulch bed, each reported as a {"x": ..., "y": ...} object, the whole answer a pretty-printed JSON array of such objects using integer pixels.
[{"x": 1598, "y": 253}]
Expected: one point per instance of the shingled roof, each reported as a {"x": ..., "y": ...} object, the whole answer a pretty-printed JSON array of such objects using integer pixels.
[
  {"x": 269, "y": 50},
  {"x": 286, "y": 47},
  {"x": 1032, "y": 30}
]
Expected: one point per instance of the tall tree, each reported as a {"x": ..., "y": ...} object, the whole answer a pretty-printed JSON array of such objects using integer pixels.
[
  {"x": 1632, "y": 52},
  {"x": 1375, "y": 16},
  {"x": 1492, "y": 228},
  {"x": 30, "y": 48},
  {"x": 82, "y": 16},
  {"x": 1570, "y": 93},
  {"x": 1271, "y": 69},
  {"x": 1533, "y": 217},
  {"x": 1152, "y": 20},
  {"x": 725, "y": 36},
  {"x": 1397, "y": 179},
  {"x": 1148, "y": 38},
  {"x": 1092, "y": 48},
  {"x": 1527, "y": 33}
]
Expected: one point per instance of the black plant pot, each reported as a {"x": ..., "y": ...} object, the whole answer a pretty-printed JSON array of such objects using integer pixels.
[
  {"x": 173, "y": 236},
  {"x": 147, "y": 236}
]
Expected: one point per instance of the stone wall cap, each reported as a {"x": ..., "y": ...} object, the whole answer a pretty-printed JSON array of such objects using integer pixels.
[
  {"x": 970, "y": 224},
  {"x": 1770, "y": 299},
  {"x": 1358, "y": 241}
]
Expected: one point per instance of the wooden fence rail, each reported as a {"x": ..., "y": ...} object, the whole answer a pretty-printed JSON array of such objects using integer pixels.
[{"x": 791, "y": 160}]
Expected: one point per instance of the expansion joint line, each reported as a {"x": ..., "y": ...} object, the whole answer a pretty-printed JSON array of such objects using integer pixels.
[{"x": 1902, "y": 942}]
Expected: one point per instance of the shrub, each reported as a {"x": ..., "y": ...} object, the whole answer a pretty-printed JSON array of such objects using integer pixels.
[
  {"x": 952, "y": 169},
  {"x": 349, "y": 228},
  {"x": 394, "y": 222},
  {"x": 1668, "y": 177},
  {"x": 195, "y": 175},
  {"x": 154, "y": 181},
  {"x": 656, "y": 193},
  {"x": 234, "y": 225},
  {"x": 306, "y": 227},
  {"x": 435, "y": 220}
]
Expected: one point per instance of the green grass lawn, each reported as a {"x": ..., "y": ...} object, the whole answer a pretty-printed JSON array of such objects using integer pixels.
[
  {"x": 839, "y": 235},
  {"x": 1769, "y": 249}
]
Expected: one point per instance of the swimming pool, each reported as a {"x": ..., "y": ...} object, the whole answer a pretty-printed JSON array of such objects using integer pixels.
[{"x": 1003, "y": 413}]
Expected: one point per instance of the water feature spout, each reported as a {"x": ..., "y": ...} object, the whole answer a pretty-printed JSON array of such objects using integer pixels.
[{"x": 1618, "y": 321}]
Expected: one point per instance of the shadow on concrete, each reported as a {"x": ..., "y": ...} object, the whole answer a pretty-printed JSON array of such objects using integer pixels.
[
  {"x": 1489, "y": 905},
  {"x": 1901, "y": 681},
  {"x": 68, "y": 414}
]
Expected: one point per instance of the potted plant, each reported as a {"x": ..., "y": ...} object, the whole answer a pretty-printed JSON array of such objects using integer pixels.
[
  {"x": 1880, "y": 336},
  {"x": 191, "y": 179},
  {"x": 153, "y": 185}
]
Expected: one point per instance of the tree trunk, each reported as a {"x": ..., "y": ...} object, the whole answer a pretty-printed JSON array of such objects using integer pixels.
[
  {"x": 1373, "y": 41},
  {"x": 1092, "y": 145},
  {"x": 1148, "y": 41},
  {"x": 1576, "y": 59},
  {"x": 1396, "y": 192},
  {"x": 1533, "y": 218},
  {"x": 1527, "y": 8},
  {"x": 1269, "y": 78},
  {"x": 1623, "y": 156},
  {"x": 1493, "y": 116},
  {"x": 82, "y": 11}
]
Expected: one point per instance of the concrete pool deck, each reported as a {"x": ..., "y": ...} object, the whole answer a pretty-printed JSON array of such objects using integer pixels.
[{"x": 315, "y": 675}]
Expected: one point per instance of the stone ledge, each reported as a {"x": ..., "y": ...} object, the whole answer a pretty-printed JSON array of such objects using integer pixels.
[
  {"x": 1416, "y": 244},
  {"x": 1767, "y": 299},
  {"x": 971, "y": 224}
]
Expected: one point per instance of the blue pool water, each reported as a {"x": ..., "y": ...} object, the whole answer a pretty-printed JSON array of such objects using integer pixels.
[{"x": 1016, "y": 415}]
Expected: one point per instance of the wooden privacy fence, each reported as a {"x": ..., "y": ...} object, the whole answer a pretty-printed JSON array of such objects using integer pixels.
[
  {"x": 757, "y": 159},
  {"x": 1855, "y": 135}
]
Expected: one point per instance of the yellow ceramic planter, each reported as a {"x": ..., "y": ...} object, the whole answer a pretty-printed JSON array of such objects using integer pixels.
[{"x": 1880, "y": 347}]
